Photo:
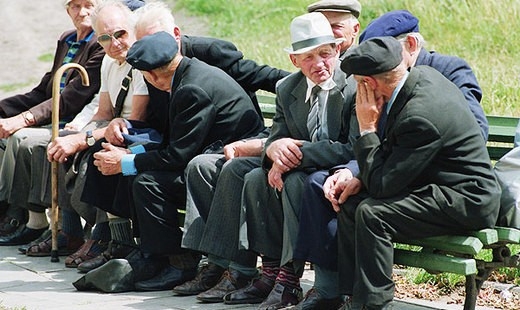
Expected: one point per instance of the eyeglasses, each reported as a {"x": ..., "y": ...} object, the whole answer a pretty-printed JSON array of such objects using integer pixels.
[{"x": 106, "y": 39}]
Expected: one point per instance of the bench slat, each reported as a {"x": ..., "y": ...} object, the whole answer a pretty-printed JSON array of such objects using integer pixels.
[
  {"x": 435, "y": 262},
  {"x": 507, "y": 234},
  {"x": 458, "y": 244}
]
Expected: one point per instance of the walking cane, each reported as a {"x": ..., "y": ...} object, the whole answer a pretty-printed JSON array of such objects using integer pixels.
[{"x": 54, "y": 164}]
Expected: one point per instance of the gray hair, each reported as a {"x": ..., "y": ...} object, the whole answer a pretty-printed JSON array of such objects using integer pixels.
[
  {"x": 129, "y": 15},
  {"x": 156, "y": 14},
  {"x": 421, "y": 42}
]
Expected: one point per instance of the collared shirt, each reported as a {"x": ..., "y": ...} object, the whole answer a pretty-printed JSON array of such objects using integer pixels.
[
  {"x": 396, "y": 91},
  {"x": 325, "y": 86},
  {"x": 71, "y": 53}
]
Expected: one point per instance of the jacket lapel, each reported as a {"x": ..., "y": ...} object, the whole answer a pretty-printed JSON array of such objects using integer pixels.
[{"x": 299, "y": 109}]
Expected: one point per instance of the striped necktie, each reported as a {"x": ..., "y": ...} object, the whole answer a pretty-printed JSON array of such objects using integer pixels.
[{"x": 313, "y": 119}]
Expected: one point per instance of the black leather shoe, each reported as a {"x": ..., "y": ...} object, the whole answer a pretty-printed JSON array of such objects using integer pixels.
[
  {"x": 313, "y": 300},
  {"x": 281, "y": 297},
  {"x": 9, "y": 225},
  {"x": 208, "y": 277},
  {"x": 22, "y": 236},
  {"x": 254, "y": 293},
  {"x": 167, "y": 279},
  {"x": 230, "y": 281},
  {"x": 41, "y": 238}
]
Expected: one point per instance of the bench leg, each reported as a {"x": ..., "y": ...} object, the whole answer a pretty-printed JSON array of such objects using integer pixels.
[{"x": 471, "y": 292}]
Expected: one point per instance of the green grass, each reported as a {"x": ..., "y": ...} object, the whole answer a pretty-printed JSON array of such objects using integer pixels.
[
  {"x": 46, "y": 57},
  {"x": 472, "y": 29}
]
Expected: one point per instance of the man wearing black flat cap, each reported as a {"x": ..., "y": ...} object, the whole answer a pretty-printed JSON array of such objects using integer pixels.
[
  {"x": 207, "y": 107},
  {"x": 404, "y": 26},
  {"x": 424, "y": 168}
]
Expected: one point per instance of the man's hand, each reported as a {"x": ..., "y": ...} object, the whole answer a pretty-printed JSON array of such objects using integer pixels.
[
  {"x": 339, "y": 186},
  {"x": 274, "y": 177},
  {"x": 115, "y": 130},
  {"x": 108, "y": 160},
  {"x": 285, "y": 153},
  {"x": 62, "y": 147},
  {"x": 242, "y": 148},
  {"x": 368, "y": 107},
  {"x": 10, "y": 125}
]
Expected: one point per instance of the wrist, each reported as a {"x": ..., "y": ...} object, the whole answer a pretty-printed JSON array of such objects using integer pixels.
[{"x": 28, "y": 118}]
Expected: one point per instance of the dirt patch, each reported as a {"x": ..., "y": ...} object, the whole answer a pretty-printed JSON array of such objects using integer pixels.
[{"x": 30, "y": 30}]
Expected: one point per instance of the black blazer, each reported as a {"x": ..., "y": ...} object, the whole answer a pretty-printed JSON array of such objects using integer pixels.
[{"x": 206, "y": 105}]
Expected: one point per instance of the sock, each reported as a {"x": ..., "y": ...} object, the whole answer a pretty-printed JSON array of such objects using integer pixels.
[
  {"x": 100, "y": 233},
  {"x": 37, "y": 220},
  {"x": 270, "y": 268},
  {"x": 71, "y": 223},
  {"x": 288, "y": 277},
  {"x": 326, "y": 282},
  {"x": 121, "y": 230}
]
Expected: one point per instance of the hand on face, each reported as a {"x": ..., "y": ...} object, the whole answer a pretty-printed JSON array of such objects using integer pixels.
[{"x": 368, "y": 106}]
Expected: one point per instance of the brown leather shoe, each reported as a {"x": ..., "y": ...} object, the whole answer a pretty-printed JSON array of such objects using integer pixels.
[
  {"x": 313, "y": 300},
  {"x": 256, "y": 292},
  {"x": 230, "y": 281},
  {"x": 282, "y": 297},
  {"x": 114, "y": 250},
  {"x": 86, "y": 252},
  {"x": 44, "y": 248},
  {"x": 208, "y": 277}
]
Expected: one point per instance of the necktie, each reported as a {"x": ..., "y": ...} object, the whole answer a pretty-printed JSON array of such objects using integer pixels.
[{"x": 313, "y": 119}]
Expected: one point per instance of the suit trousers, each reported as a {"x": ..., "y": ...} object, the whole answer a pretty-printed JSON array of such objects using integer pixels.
[
  {"x": 317, "y": 233},
  {"x": 272, "y": 217},
  {"x": 368, "y": 227},
  {"x": 214, "y": 191}
]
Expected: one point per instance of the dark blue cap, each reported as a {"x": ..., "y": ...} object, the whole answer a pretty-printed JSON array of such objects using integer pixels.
[
  {"x": 152, "y": 51},
  {"x": 134, "y": 4},
  {"x": 391, "y": 24},
  {"x": 373, "y": 56}
]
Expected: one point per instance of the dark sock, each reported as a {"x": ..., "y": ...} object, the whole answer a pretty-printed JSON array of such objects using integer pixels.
[
  {"x": 287, "y": 277},
  {"x": 71, "y": 223},
  {"x": 270, "y": 268},
  {"x": 121, "y": 230},
  {"x": 100, "y": 233}
]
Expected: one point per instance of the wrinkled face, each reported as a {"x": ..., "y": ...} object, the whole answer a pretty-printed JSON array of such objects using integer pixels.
[
  {"x": 317, "y": 64},
  {"x": 343, "y": 26},
  {"x": 114, "y": 35},
  {"x": 79, "y": 12}
]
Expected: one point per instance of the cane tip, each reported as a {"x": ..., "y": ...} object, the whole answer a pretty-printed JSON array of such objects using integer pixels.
[{"x": 54, "y": 256}]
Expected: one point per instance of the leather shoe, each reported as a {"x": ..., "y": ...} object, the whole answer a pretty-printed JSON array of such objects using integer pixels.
[
  {"x": 254, "y": 293},
  {"x": 115, "y": 250},
  {"x": 313, "y": 300},
  {"x": 43, "y": 237},
  {"x": 207, "y": 278},
  {"x": 167, "y": 279},
  {"x": 9, "y": 225},
  {"x": 22, "y": 236},
  {"x": 66, "y": 246},
  {"x": 230, "y": 281},
  {"x": 282, "y": 297}
]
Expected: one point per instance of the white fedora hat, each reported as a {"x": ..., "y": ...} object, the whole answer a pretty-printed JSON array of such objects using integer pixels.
[{"x": 309, "y": 31}]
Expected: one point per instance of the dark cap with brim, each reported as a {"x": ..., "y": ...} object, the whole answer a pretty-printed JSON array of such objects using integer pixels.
[
  {"x": 393, "y": 24},
  {"x": 152, "y": 51},
  {"x": 373, "y": 56}
]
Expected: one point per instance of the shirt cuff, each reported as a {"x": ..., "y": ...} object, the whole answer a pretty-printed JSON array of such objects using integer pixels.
[
  {"x": 137, "y": 149},
  {"x": 128, "y": 165}
]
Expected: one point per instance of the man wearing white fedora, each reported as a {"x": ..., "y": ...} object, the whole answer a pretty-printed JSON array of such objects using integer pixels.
[{"x": 313, "y": 128}]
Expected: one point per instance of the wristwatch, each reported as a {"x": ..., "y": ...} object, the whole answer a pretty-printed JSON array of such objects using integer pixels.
[
  {"x": 28, "y": 117},
  {"x": 90, "y": 138}
]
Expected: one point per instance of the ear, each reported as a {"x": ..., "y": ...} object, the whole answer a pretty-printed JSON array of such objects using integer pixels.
[
  {"x": 177, "y": 34},
  {"x": 294, "y": 60},
  {"x": 372, "y": 82},
  {"x": 412, "y": 43},
  {"x": 357, "y": 26}
]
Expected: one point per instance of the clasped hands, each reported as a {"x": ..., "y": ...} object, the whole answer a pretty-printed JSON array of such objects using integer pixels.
[
  {"x": 339, "y": 186},
  {"x": 286, "y": 155}
]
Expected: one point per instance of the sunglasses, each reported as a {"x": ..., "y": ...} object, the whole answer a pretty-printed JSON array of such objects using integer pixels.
[{"x": 106, "y": 39}]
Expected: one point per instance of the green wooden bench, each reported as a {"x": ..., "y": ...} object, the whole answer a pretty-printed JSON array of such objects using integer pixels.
[{"x": 458, "y": 254}]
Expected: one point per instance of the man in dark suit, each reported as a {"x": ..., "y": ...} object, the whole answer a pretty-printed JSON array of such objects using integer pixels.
[
  {"x": 422, "y": 162},
  {"x": 312, "y": 129},
  {"x": 206, "y": 107}
]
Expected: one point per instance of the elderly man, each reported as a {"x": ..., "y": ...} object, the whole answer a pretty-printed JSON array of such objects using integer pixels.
[
  {"x": 422, "y": 162},
  {"x": 343, "y": 18},
  {"x": 206, "y": 108},
  {"x": 312, "y": 129},
  {"x": 404, "y": 26},
  {"x": 34, "y": 108}
]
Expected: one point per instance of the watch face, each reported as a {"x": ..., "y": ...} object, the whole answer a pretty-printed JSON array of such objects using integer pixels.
[{"x": 91, "y": 141}]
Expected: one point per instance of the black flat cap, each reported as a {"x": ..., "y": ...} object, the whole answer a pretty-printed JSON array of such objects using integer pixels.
[
  {"x": 373, "y": 56},
  {"x": 393, "y": 24},
  {"x": 348, "y": 6},
  {"x": 152, "y": 51}
]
